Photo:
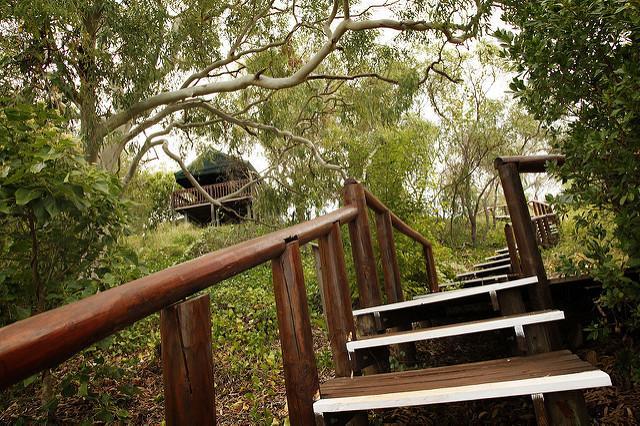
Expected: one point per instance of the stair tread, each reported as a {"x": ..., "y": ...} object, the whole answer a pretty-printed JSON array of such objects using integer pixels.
[
  {"x": 469, "y": 327},
  {"x": 482, "y": 271},
  {"x": 496, "y": 262},
  {"x": 447, "y": 295},
  {"x": 473, "y": 280},
  {"x": 541, "y": 373},
  {"x": 497, "y": 256}
]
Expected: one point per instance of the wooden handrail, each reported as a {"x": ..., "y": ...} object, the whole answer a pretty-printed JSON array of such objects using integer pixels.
[
  {"x": 46, "y": 339},
  {"x": 530, "y": 163},
  {"x": 379, "y": 207}
]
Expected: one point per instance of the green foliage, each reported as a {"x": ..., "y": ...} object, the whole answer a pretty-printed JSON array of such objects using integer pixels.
[
  {"x": 584, "y": 82},
  {"x": 150, "y": 194},
  {"x": 59, "y": 214}
]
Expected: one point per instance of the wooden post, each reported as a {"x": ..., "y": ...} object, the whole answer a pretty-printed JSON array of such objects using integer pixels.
[
  {"x": 187, "y": 363},
  {"x": 365, "y": 266},
  {"x": 540, "y": 338},
  {"x": 513, "y": 250},
  {"x": 389, "y": 259},
  {"x": 337, "y": 295},
  {"x": 300, "y": 373},
  {"x": 362, "y": 247},
  {"x": 391, "y": 273},
  {"x": 530, "y": 256},
  {"x": 319, "y": 275},
  {"x": 432, "y": 274}
]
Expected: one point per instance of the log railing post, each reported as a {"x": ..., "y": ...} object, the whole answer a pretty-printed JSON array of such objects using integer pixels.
[
  {"x": 365, "y": 267},
  {"x": 337, "y": 297},
  {"x": 362, "y": 247},
  {"x": 391, "y": 273},
  {"x": 432, "y": 274},
  {"x": 388, "y": 257},
  {"x": 530, "y": 256},
  {"x": 541, "y": 338},
  {"x": 513, "y": 250},
  {"x": 300, "y": 372},
  {"x": 187, "y": 363}
]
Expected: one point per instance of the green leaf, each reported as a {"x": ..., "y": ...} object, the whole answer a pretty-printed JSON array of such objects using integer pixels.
[
  {"x": 51, "y": 207},
  {"x": 23, "y": 196},
  {"x": 26, "y": 382},
  {"x": 83, "y": 390},
  {"x": 37, "y": 168},
  {"x": 101, "y": 186}
]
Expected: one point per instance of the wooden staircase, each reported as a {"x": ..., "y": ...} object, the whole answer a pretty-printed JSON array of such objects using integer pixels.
[
  {"x": 557, "y": 371},
  {"x": 517, "y": 299}
]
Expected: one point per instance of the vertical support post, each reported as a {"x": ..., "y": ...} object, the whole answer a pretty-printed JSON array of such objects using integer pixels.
[
  {"x": 432, "y": 274},
  {"x": 319, "y": 275},
  {"x": 336, "y": 293},
  {"x": 300, "y": 372},
  {"x": 391, "y": 273},
  {"x": 187, "y": 363},
  {"x": 540, "y": 338},
  {"x": 524, "y": 233},
  {"x": 365, "y": 266},
  {"x": 389, "y": 259},
  {"x": 513, "y": 250},
  {"x": 361, "y": 246}
]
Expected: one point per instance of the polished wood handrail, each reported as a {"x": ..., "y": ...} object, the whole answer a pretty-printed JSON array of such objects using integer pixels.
[{"x": 46, "y": 339}]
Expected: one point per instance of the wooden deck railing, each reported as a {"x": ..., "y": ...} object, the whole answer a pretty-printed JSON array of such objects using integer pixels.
[
  {"x": 47, "y": 339},
  {"x": 190, "y": 197}
]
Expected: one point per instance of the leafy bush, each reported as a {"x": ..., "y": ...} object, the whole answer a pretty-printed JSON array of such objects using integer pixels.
[
  {"x": 150, "y": 194},
  {"x": 584, "y": 82},
  {"x": 59, "y": 215}
]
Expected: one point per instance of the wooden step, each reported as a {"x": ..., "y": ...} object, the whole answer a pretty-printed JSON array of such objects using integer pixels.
[
  {"x": 447, "y": 295},
  {"x": 542, "y": 373},
  {"x": 504, "y": 250},
  {"x": 474, "y": 281},
  {"x": 498, "y": 262},
  {"x": 487, "y": 271},
  {"x": 508, "y": 321},
  {"x": 497, "y": 257}
]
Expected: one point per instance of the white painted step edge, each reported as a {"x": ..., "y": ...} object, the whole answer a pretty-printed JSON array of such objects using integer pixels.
[
  {"x": 473, "y": 280},
  {"x": 497, "y": 262},
  {"x": 563, "y": 382},
  {"x": 456, "y": 330},
  {"x": 447, "y": 295},
  {"x": 474, "y": 273}
]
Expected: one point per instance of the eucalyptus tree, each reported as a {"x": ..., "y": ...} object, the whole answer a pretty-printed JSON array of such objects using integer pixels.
[
  {"x": 477, "y": 124},
  {"x": 123, "y": 70}
]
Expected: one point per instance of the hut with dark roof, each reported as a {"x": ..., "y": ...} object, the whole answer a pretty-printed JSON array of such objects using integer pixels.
[{"x": 223, "y": 177}]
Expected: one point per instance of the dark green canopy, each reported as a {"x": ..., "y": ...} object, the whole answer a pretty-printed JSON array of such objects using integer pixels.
[{"x": 214, "y": 166}]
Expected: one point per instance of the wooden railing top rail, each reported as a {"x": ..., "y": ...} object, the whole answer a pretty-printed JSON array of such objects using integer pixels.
[
  {"x": 531, "y": 163},
  {"x": 379, "y": 207},
  {"x": 46, "y": 339}
]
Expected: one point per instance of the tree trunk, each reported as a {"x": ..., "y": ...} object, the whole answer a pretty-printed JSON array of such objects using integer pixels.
[{"x": 89, "y": 122}]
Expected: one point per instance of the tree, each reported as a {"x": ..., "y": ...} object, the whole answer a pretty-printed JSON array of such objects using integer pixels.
[
  {"x": 579, "y": 71},
  {"x": 124, "y": 68},
  {"x": 475, "y": 128},
  {"x": 59, "y": 214}
]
